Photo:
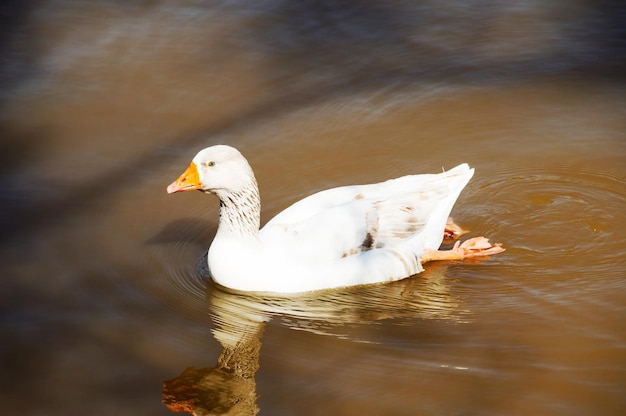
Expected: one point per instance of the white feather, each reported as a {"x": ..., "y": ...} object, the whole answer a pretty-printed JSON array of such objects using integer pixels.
[{"x": 344, "y": 236}]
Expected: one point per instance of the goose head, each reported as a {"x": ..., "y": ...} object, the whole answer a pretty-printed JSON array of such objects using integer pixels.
[{"x": 220, "y": 170}]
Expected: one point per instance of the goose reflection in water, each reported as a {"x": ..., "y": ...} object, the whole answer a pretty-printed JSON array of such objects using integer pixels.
[{"x": 239, "y": 319}]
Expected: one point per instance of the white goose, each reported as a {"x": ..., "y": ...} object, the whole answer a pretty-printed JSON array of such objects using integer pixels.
[{"x": 345, "y": 236}]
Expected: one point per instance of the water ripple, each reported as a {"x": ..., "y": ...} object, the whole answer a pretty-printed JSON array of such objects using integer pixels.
[
  {"x": 562, "y": 227},
  {"x": 179, "y": 256},
  {"x": 561, "y": 213}
]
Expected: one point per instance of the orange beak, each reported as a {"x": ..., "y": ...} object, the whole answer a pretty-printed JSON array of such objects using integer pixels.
[{"x": 188, "y": 181}]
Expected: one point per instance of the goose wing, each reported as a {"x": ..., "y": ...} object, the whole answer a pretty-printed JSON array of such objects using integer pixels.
[{"x": 341, "y": 222}]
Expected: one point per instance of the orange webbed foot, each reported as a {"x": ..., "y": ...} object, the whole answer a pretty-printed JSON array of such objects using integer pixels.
[
  {"x": 477, "y": 247},
  {"x": 453, "y": 231},
  {"x": 472, "y": 248}
]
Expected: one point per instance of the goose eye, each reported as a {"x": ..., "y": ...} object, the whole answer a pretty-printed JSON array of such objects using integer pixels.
[{"x": 211, "y": 163}]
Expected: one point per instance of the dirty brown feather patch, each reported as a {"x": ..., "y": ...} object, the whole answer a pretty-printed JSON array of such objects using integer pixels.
[{"x": 368, "y": 242}]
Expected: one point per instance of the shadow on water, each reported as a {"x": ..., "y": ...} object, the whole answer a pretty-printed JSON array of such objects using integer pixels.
[
  {"x": 19, "y": 51},
  {"x": 191, "y": 230},
  {"x": 482, "y": 41},
  {"x": 320, "y": 50}
]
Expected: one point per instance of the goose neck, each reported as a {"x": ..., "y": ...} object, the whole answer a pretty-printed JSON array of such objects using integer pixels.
[{"x": 240, "y": 212}]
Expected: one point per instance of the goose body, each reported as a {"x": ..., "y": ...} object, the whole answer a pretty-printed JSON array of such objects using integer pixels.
[{"x": 344, "y": 236}]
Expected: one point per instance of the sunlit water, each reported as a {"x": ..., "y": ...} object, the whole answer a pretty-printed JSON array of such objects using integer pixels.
[{"x": 105, "y": 293}]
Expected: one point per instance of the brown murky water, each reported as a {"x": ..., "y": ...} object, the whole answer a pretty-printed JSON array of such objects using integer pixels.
[{"x": 104, "y": 290}]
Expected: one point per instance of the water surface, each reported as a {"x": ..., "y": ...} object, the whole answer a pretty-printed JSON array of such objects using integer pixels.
[{"x": 104, "y": 289}]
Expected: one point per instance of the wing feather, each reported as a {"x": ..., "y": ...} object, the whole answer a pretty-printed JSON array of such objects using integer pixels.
[{"x": 345, "y": 221}]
